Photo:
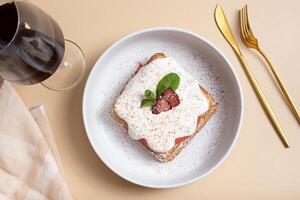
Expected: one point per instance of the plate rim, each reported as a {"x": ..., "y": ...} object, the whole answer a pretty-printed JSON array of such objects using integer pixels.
[{"x": 154, "y": 29}]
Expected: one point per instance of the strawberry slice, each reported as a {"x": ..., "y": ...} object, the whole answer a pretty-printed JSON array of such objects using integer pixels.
[
  {"x": 161, "y": 105},
  {"x": 171, "y": 97},
  {"x": 177, "y": 141},
  {"x": 138, "y": 67},
  {"x": 143, "y": 142},
  {"x": 181, "y": 139}
]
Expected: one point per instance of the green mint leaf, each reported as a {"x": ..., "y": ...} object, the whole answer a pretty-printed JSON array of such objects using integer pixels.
[
  {"x": 170, "y": 80},
  {"x": 147, "y": 103},
  {"x": 150, "y": 94}
]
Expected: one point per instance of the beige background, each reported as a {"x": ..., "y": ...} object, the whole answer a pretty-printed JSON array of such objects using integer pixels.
[{"x": 258, "y": 167}]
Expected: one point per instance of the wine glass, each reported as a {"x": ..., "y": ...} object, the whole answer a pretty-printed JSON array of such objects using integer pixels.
[{"x": 33, "y": 49}]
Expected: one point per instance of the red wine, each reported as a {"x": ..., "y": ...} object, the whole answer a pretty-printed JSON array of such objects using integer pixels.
[
  {"x": 8, "y": 22},
  {"x": 31, "y": 43}
]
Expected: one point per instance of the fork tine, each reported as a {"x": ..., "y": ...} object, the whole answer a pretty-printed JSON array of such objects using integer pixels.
[
  {"x": 246, "y": 22},
  {"x": 246, "y": 14},
  {"x": 248, "y": 25},
  {"x": 247, "y": 34},
  {"x": 242, "y": 24},
  {"x": 242, "y": 18},
  {"x": 250, "y": 36}
]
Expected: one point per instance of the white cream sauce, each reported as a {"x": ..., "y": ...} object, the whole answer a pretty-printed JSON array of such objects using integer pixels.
[{"x": 161, "y": 130}]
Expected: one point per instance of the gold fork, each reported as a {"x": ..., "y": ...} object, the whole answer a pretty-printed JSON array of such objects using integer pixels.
[{"x": 250, "y": 41}]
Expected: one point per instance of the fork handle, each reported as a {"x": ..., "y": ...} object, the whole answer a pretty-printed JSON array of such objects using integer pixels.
[
  {"x": 281, "y": 87},
  {"x": 267, "y": 107}
]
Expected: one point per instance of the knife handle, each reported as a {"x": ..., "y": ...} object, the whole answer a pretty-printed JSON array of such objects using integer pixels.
[{"x": 266, "y": 105}]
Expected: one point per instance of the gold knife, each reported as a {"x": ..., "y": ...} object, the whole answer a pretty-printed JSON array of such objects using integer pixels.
[{"x": 224, "y": 27}]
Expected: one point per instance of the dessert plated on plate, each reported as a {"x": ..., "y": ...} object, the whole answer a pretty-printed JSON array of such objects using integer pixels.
[{"x": 163, "y": 107}]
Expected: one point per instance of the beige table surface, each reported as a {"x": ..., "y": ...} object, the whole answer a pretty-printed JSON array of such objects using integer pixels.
[{"x": 258, "y": 167}]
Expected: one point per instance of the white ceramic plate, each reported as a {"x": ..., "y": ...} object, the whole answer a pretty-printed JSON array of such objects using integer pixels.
[{"x": 129, "y": 159}]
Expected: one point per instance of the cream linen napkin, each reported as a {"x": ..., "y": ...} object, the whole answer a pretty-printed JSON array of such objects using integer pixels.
[{"x": 29, "y": 164}]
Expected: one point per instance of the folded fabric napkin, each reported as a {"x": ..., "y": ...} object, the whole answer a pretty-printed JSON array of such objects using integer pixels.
[{"x": 29, "y": 164}]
